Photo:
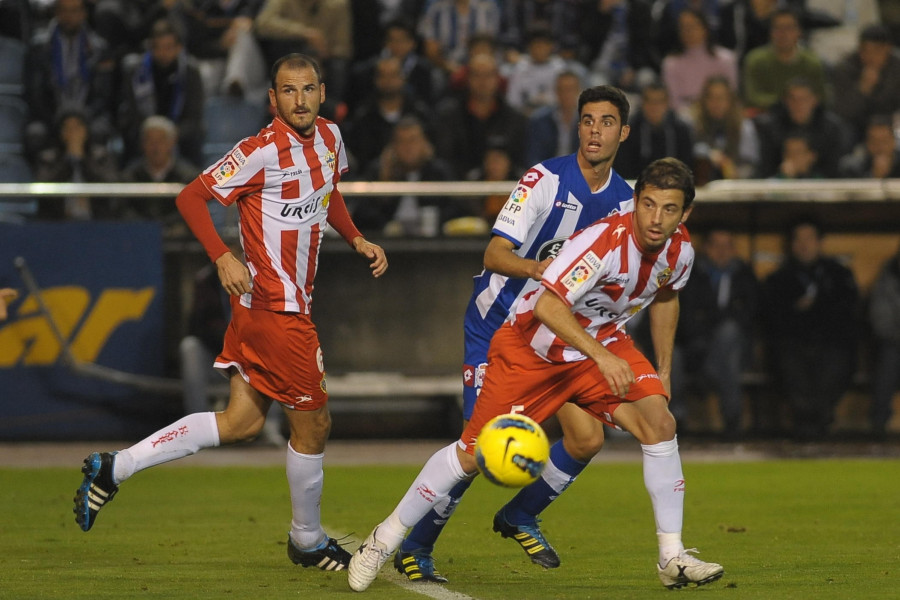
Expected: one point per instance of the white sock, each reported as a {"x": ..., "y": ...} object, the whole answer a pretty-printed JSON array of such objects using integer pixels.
[
  {"x": 664, "y": 480},
  {"x": 182, "y": 438},
  {"x": 305, "y": 479},
  {"x": 430, "y": 488}
]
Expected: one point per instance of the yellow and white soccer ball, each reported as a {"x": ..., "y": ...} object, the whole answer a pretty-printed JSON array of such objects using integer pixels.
[{"x": 512, "y": 450}]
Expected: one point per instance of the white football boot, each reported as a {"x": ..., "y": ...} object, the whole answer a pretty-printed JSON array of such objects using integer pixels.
[
  {"x": 684, "y": 570},
  {"x": 367, "y": 561}
]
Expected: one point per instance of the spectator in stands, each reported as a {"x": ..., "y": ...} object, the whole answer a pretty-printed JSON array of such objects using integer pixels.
[
  {"x": 369, "y": 129},
  {"x": 559, "y": 17},
  {"x": 496, "y": 166},
  {"x": 666, "y": 23},
  {"x": 532, "y": 78},
  {"x": 553, "y": 130},
  {"x": 809, "y": 309},
  {"x": 163, "y": 81},
  {"x": 448, "y": 25},
  {"x": 408, "y": 157},
  {"x": 799, "y": 159},
  {"x": 868, "y": 80},
  {"x": 656, "y": 132},
  {"x": 801, "y": 110},
  {"x": 848, "y": 19},
  {"x": 159, "y": 163},
  {"x": 480, "y": 43},
  {"x": 878, "y": 158},
  {"x": 465, "y": 123},
  {"x": 75, "y": 157},
  {"x": 68, "y": 67},
  {"x": 745, "y": 25},
  {"x": 220, "y": 36},
  {"x": 717, "y": 327},
  {"x": 884, "y": 317},
  {"x": 616, "y": 44},
  {"x": 319, "y": 28},
  {"x": 725, "y": 142},
  {"x": 769, "y": 68},
  {"x": 399, "y": 42},
  {"x": 125, "y": 24},
  {"x": 695, "y": 59}
]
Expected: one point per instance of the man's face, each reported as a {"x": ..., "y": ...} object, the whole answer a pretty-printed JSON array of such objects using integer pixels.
[
  {"x": 398, "y": 42},
  {"x": 657, "y": 213},
  {"x": 600, "y": 132},
  {"x": 798, "y": 152},
  {"x": 801, "y": 103},
  {"x": 880, "y": 140},
  {"x": 484, "y": 79},
  {"x": 71, "y": 15},
  {"x": 165, "y": 50},
  {"x": 297, "y": 97},
  {"x": 410, "y": 145},
  {"x": 805, "y": 244},
  {"x": 158, "y": 147},
  {"x": 719, "y": 248},
  {"x": 785, "y": 33},
  {"x": 874, "y": 54},
  {"x": 691, "y": 30},
  {"x": 654, "y": 105},
  {"x": 389, "y": 80},
  {"x": 567, "y": 89}
]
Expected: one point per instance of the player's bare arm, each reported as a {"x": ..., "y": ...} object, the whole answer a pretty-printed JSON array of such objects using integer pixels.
[
  {"x": 555, "y": 314},
  {"x": 500, "y": 257},
  {"x": 234, "y": 275},
  {"x": 663, "y": 323},
  {"x": 375, "y": 253}
]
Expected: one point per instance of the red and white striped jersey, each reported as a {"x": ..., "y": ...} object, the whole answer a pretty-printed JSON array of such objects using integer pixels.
[
  {"x": 281, "y": 183},
  {"x": 603, "y": 275}
]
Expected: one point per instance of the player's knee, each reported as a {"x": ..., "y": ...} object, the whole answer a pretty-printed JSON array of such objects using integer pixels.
[
  {"x": 585, "y": 445},
  {"x": 233, "y": 430}
]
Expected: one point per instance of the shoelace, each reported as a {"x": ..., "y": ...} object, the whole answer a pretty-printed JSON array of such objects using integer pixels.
[
  {"x": 373, "y": 556},
  {"x": 685, "y": 556}
]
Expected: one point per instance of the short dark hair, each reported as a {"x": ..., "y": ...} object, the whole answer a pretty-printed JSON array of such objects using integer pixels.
[
  {"x": 667, "y": 174},
  {"x": 606, "y": 93},
  {"x": 805, "y": 219},
  {"x": 295, "y": 61},
  {"x": 876, "y": 33}
]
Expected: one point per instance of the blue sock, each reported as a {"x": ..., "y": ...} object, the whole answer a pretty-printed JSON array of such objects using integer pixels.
[
  {"x": 425, "y": 533},
  {"x": 531, "y": 501}
]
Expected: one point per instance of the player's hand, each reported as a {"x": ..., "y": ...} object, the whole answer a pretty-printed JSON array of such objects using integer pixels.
[
  {"x": 234, "y": 275},
  {"x": 375, "y": 253},
  {"x": 7, "y": 295},
  {"x": 539, "y": 268},
  {"x": 617, "y": 372}
]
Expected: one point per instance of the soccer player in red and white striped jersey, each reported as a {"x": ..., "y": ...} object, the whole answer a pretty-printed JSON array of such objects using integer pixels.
[
  {"x": 567, "y": 343},
  {"x": 284, "y": 183}
]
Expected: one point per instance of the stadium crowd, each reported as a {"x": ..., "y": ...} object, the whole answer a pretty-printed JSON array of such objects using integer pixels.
[
  {"x": 734, "y": 88},
  {"x": 441, "y": 90}
]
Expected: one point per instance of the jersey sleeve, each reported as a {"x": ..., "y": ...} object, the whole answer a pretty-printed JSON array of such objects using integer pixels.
[
  {"x": 530, "y": 199},
  {"x": 577, "y": 266},
  {"x": 238, "y": 173}
]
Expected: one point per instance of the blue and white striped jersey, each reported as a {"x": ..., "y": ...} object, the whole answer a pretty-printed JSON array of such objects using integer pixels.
[{"x": 550, "y": 203}]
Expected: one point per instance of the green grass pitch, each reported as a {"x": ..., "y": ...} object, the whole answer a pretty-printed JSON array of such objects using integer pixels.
[{"x": 783, "y": 529}]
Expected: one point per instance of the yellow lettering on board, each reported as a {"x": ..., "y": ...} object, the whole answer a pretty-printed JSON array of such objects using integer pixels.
[
  {"x": 114, "y": 307},
  {"x": 31, "y": 339}
]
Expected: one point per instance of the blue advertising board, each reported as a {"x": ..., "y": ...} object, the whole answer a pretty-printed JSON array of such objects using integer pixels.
[{"x": 103, "y": 285}]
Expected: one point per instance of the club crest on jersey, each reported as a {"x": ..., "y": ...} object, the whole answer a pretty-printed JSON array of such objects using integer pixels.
[
  {"x": 226, "y": 170},
  {"x": 576, "y": 277},
  {"x": 663, "y": 277},
  {"x": 330, "y": 160}
]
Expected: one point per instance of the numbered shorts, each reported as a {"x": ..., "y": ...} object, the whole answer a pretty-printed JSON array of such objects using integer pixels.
[
  {"x": 278, "y": 354},
  {"x": 518, "y": 380}
]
